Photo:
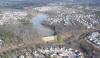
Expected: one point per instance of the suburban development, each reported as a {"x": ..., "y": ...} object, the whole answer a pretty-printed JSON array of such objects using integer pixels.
[{"x": 50, "y": 29}]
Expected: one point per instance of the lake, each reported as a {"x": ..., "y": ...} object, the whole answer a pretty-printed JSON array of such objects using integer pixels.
[{"x": 42, "y": 30}]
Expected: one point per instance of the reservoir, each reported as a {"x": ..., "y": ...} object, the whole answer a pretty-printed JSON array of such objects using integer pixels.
[{"x": 42, "y": 30}]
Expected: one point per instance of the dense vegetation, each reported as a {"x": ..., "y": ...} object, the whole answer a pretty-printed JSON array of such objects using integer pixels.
[
  {"x": 7, "y": 36},
  {"x": 59, "y": 38},
  {"x": 25, "y": 21}
]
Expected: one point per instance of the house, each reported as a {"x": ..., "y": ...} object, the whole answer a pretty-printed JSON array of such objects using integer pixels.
[
  {"x": 0, "y": 42},
  {"x": 65, "y": 57},
  {"x": 60, "y": 53},
  {"x": 52, "y": 54},
  {"x": 21, "y": 56}
]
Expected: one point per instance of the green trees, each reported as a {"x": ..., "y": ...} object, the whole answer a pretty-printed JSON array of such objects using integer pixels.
[
  {"x": 25, "y": 21},
  {"x": 7, "y": 35},
  {"x": 59, "y": 38}
]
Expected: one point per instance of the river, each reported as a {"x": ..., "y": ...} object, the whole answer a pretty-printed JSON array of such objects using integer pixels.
[{"x": 42, "y": 30}]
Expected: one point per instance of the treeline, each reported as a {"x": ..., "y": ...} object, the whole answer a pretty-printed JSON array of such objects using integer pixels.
[{"x": 15, "y": 34}]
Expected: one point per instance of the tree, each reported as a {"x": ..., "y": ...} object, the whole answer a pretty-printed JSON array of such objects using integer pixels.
[
  {"x": 59, "y": 39},
  {"x": 25, "y": 21}
]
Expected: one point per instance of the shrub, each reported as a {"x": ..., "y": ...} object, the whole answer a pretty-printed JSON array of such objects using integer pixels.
[
  {"x": 59, "y": 38},
  {"x": 25, "y": 21}
]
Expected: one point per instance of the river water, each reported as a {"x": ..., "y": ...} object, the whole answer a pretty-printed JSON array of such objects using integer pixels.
[{"x": 42, "y": 30}]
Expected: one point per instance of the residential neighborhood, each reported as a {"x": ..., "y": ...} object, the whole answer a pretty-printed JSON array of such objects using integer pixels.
[
  {"x": 59, "y": 52},
  {"x": 49, "y": 29},
  {"x": 94, "y": 38},
  {"x": 7, "y": 17},
  {"x": 70, "y": 19}
]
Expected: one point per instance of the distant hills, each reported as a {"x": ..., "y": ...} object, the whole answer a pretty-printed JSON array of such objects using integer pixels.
[
  {"x": 26, "y": 3},
  {"x": 86, "y": 0},
  {"x": 57, "y": 0}
]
